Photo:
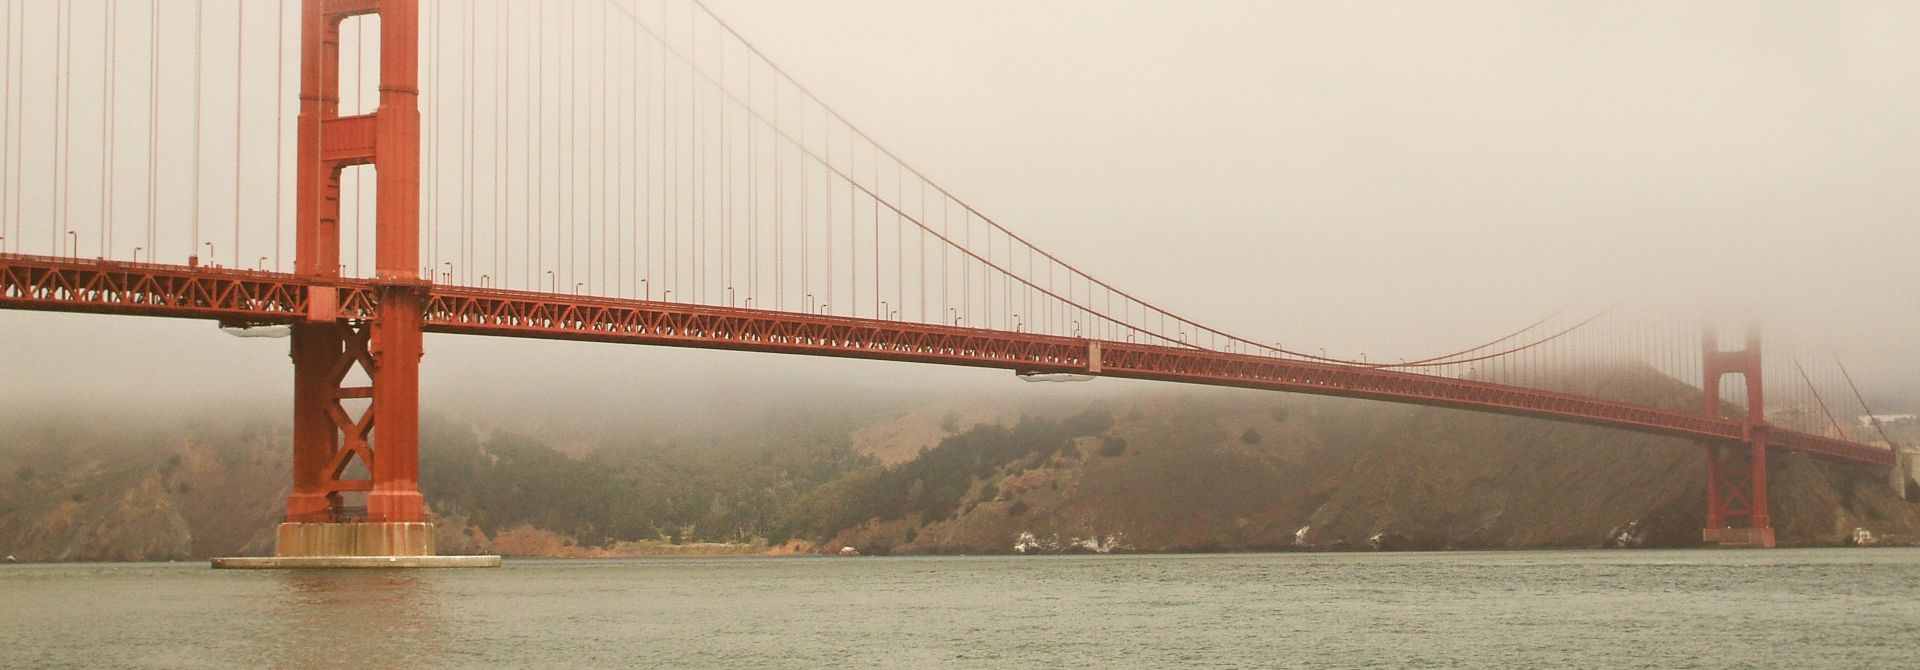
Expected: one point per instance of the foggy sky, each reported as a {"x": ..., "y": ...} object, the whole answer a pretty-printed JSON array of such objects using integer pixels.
[{"x": 1390, "y": 178}]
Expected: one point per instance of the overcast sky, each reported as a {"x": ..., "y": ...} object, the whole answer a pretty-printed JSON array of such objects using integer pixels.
[{"x": 1391, "y": 178}]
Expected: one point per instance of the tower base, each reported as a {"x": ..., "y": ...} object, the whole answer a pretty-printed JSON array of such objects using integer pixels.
[
  {"x": 1759, "y": 538},
  {"x": 356, "y": 545}
]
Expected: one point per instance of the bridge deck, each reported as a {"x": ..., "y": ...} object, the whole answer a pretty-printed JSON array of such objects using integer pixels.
[{"x": 113, "y": 287}]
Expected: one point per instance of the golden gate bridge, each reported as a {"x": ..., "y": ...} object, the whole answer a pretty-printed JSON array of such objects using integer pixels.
[{"x": 361, "y": 172}]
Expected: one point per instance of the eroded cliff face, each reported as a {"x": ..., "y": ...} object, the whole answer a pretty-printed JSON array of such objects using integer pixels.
[{"x": 1226, "y": 470}]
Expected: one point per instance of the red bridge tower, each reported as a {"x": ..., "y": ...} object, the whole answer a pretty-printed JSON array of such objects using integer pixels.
[
  {"x": 328, "y": 437},
  {"x": 1737, "y": 472}
]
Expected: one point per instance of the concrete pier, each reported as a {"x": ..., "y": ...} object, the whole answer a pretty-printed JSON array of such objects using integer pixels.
[
  {"x": 1738, "y": 537},
  {"x": 355, "y": 545},
  {"x": 339, "y": 562}
]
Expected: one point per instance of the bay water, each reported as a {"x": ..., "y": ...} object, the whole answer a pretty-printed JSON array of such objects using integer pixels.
[{"x": 1788, "y": 608}]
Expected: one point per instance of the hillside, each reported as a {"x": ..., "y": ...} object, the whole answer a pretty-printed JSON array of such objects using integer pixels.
[
  {"x": 1172, "y": 469},
  {"x": 1228, "y": 470}
]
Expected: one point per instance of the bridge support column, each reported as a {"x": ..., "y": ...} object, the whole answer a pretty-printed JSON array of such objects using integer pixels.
[
  {"x": 338, "y": 423},
  {"x": 1737, "y": 472}
]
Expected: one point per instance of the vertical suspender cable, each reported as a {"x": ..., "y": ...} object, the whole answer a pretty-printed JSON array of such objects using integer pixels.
[
  {"x": 699, "y": 162},
  {"x": 899, "y": 239},
  {"x": 58, "y": 203},
  {"x": 468, "y": 164},
  {"x": 153, "y": 129},
  {"x": 537, "y": 65},
  {"x": 6, "y": 129},
  {"x": 780, "y": 206},
  {"x": 606, "y": 146},
  {"x": 874, "y": 166},
  {"x": 568, "y": 147},
  {"x": 806, "y": 273},
  {"x": 617, "y": 178},
  {"x": 502, "y": 47},
  {"x": 645, "y": 90},
  {"x": 199, "y": 40},
  {"x": 239, "y": 89},
  {"x": 107, "y": 124},
  {"x": 726, "y": 181},
  {"x": 430, "y": 140},
  {"x": 532, "y": 168},
  {"x": 753, "y": 191},
  {"x": 672, "y": 147},
  {"x": 279, "y": 126},
  {"x": 586, "y": 110},
  {"x": 9, "y": 122},
  {"x": 826, "y": 187}
]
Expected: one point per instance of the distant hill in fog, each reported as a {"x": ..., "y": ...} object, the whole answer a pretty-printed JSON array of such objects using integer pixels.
[{"x": 1161, "y": 468}]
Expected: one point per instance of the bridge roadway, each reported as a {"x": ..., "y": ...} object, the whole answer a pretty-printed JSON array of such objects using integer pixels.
[{"x": 261, "y": 297}]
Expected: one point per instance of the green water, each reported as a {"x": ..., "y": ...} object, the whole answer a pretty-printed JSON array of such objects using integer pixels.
[{"x": 1783, "y": 608}]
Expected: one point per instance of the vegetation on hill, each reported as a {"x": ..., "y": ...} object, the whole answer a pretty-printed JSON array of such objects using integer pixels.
[
  {"x": 932, "y": 486},
  {"x": 1175, "y": 470},
  {"x": 707, "y": 491}
]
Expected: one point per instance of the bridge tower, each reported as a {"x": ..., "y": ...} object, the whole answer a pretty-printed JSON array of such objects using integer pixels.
[
  {"x": 1737, "y": 472},
  {"x": 337, "y": 421}
]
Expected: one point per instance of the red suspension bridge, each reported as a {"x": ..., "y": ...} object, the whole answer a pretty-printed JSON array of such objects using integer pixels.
[{"x": 638, "y": 172}]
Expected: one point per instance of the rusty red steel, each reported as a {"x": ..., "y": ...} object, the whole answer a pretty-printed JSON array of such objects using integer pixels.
[{"x": 248, "y": 296}]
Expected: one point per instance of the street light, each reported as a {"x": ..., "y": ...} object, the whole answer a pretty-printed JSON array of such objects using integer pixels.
[
  {"x": 263, "y": 262},
  {"x": 136, "y": 253},
  {"x": 75, "y": 236},
  {"x": 209, "y": 251},
  {"x": 555, "y": 282}
]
